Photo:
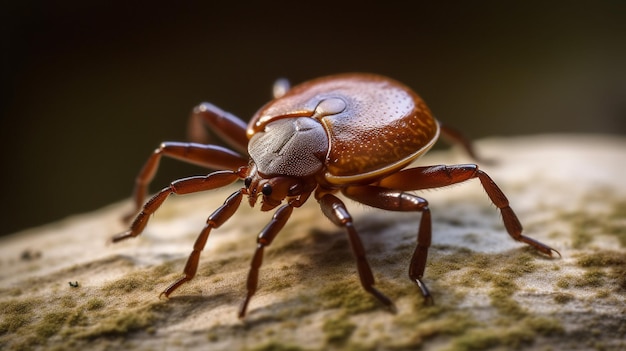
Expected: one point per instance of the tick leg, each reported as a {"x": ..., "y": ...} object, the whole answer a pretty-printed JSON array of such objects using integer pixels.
[
  {"x": 210, "y": 156},
  {"x": 394, "y": 200},
  {"x": 225, "y": 125},
  {"x": 264, "y": 239},
  {"x": 281, "y": 87},
  {"x": 336, "y": 211},
  {"x": 181, "y": 186},
  {"x": 457, "y": 137},
  {"x": 439, "y": 176},
  {"x": 215, "y": 220}
]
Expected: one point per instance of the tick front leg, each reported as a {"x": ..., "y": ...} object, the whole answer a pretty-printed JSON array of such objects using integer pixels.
[
  {"x": 210, "y": 156},
  {"x": 215, "y": 220},
  {"x": 393, "y": 200},
  {"x": 182, "y": 186},
  {"x": 264, "y": 239},
  {"x": 439, "y": 176},
  {"x": 336, "y": 211},
  {"x": 224, "y": 124}
]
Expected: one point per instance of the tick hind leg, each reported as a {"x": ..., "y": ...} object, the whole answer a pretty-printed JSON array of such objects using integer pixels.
[
  {"x": 439, "y": 176},
  {"x": 227, "y": 126},
  {"x": 224, "y": 124},
  {"x": 454, "y": 136},
  {"x": 394, "y": 200}
]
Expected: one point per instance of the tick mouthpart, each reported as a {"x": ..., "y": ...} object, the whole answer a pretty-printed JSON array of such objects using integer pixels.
[
  {"x": 252, "y": 198},
  {"x": 269, "y": 204}
]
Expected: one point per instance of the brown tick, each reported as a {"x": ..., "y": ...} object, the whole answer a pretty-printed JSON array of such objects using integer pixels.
[{"x": 348, "y": 133}]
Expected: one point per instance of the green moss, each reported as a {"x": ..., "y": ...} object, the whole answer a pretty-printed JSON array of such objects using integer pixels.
[
  {"x": 602, "y": 259},
  {"x": 213, "y": 336},
  {"x": 503, "y": 283},
  {"x": 481, "y": 260},
  {"x": 437, "y": 267},
  {"x": 302, "y": 306},
  {"x": 473, "y": 277},
  {"x": 77, "y": 318},
  {"x": 18, "y": 306},
  {"x": 349, "y": 295},
  {"x": 68, "y": 301},
  {"x": 449, "y": 324},
  {"x": 564, "y": 282},
  {"x": 428, "y": 322},
  {"x": 520, "y": 264},
  {"x": 562, "y": 298},
  {"x": 338, "y": 330},
  {"x": 63, "y": 321},
  {"x": 586, "y": 225},
  {"x": 129, "y": 283},
  {"x": 502, "y": 300},
  {"x": 617, "y": 217},
  {"x": 603, "y": 264},
  {"x": 618, "y": 211},
  {"x": 421, "y": 313},
  {"x": 17, "y": 313},
  {"x": 288, "y": 246},
  {"x": 119, "y": 323},
  {"x": 591, "y": 278},
  {"x": 581, "y": 238},
  {"x": 276, "y": 346},
  {"x": 280, "y": 284},
  {"x": 94, "y": 304},
  {"x": 619, "y": 231},
  {"x": 14, "y": 292},
  {"x": 544, "y": 326},
  {"x": 500, "y": 271},
  {"x": 490, "y": 338},
  {"x": 51, "y": 324},
  {"x": 162, "y": 270},
  {"x": 523, "y": 332},
  {"x": 619, "y": 274}
]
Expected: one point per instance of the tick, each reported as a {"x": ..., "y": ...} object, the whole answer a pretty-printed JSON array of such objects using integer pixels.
[{"x": 353, "y": 134}]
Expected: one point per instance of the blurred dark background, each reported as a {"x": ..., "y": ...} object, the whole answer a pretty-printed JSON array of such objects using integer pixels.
[{"x": 90, "y": 88}]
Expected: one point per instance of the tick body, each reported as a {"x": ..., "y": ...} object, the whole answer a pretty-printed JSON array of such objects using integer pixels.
[{"x": 353, "y": 134}]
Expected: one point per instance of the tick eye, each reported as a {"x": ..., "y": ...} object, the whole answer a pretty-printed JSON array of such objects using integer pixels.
[
  {"x": 267, "y": 190},
  {"x": 247, "y": 182}
]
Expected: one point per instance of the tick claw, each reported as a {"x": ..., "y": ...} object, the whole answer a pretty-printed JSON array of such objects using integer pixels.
[
  {"x": 244, "y": 307},
  {"x": 428, "y": 299},
  {"x": 121, "y": 236}
]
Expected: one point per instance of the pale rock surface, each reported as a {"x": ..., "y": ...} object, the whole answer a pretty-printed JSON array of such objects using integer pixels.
[{"x": 490, "y": 291}]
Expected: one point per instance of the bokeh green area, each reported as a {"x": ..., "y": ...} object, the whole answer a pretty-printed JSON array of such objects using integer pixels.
[{"x": 89, "y": 89}]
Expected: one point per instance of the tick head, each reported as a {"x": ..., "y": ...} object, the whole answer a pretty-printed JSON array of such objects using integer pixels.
[{"x": 271, "y": 190}]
